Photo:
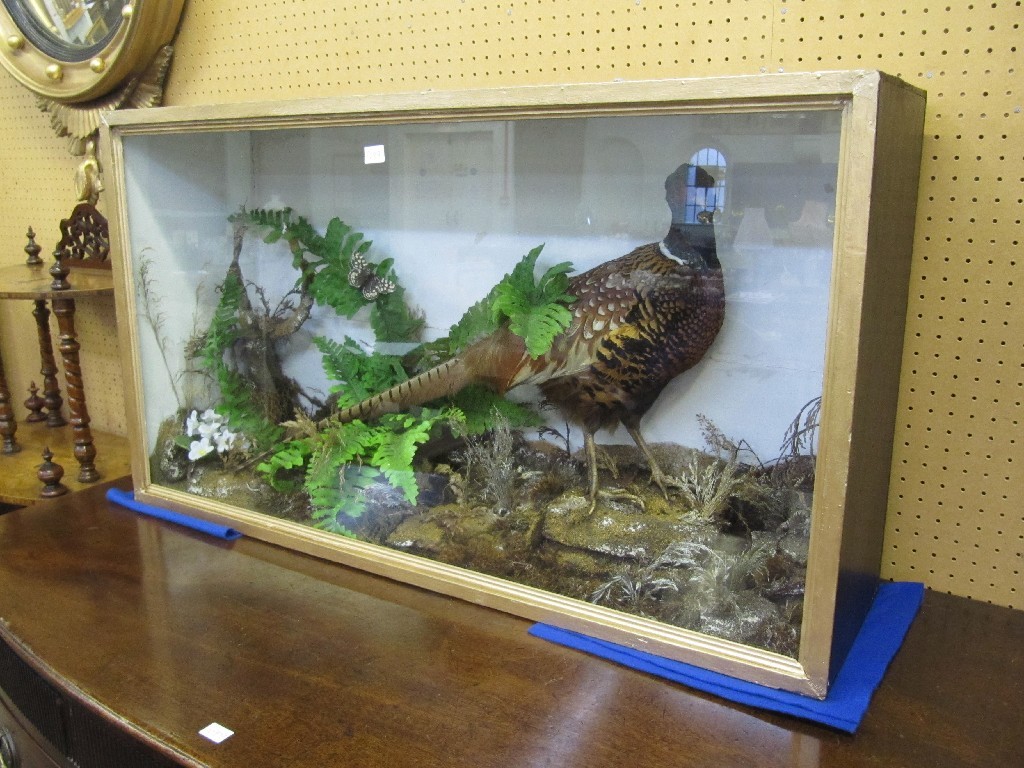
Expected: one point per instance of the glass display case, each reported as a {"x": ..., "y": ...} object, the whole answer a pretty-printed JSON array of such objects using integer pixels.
[{"x": 620, "y": 357}]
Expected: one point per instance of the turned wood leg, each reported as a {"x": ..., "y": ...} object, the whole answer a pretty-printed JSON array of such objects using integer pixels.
[
  {"x": 85, "y": 451},
  {"x": 8, "y": 426},
  {"x": 51, "y": 389}
]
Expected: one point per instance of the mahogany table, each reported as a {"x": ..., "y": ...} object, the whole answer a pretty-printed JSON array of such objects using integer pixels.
[
  {"x": 19, "y": 472},
  {"x": 122, "y": 637},
  {"x": 35, "y": 283}
]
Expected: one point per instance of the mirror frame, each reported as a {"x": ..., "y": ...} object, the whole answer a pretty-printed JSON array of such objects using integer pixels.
[{"x": 147, "y": 25}]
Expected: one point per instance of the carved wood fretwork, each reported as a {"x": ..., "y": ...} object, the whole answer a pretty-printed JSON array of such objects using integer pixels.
[{"x": 85, "y": 239}]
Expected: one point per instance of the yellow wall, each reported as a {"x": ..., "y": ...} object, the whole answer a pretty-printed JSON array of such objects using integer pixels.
[{"x": 955, "y": 517}]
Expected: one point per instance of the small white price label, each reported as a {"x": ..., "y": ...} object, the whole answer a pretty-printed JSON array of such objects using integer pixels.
[
  {"x": 373, "y": 154},
  {"x": 216, "y": 732}
]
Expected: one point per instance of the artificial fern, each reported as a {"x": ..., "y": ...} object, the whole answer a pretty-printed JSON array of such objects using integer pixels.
[
  {"x": 477, "y": 322},
  {"x": 341, "y": 462},
  {"x": 357, "y": 374},
  {"x": 297, "y": 232},
  {"x": 236, "y": 397},
  {"x": 223, "y": 329},
  {"x": 535, "y": 310},
  {"x": 400, "y": 436},
  {"x": 331, "y": 504},
  {"x": 481, "y": 405},
  {"x": 337, "y": 464},
  {"x": 333, "y": 487},
  {"x": 331, "y": 287},
  {"x": 323, "y": 261},
  {"x": 392, "y": 319},
  {"x": 335, "y": 482},
  {"x": 288, "y": 456}
]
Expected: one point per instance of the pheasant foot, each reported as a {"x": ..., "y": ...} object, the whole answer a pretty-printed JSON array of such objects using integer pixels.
[
  {"x": 621, "y": 495},
  {"x": 657, "y": 476},
  {"x": 603, "y": 457}
]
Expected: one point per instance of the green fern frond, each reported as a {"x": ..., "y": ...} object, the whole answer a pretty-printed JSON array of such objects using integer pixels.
[
  {"x": 236, "y": 397},
  {"x": 332, "y": 265},
  {"x": 331, "y": 471},
  {"x": 397, "y": 449},
  {"x": 287, "y": 457},
  {"x": 538, "y": 327},
  {"x": 479, "y": 404},
  {"x": 340, "y": 463},
  {"x": 357, "y": 374},
  {"x": 223, "y": 328},
  {"x": 535, "y": 309},
  {"x": 392, "y": 319}
]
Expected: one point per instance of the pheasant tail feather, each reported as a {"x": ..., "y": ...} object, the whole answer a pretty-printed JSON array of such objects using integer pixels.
[{"x": 442, "y": 381}]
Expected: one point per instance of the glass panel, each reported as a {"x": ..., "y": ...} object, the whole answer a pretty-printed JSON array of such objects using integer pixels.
[
  {"x": 68, "y": 29},
  {"x": 712, "y": 329}
]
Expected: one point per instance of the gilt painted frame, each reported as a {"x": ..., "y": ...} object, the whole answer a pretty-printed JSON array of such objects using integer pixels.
[{"x": 877, "y": 160}]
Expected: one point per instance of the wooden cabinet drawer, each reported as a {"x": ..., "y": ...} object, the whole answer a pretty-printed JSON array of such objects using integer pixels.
[{"x": 27, "y": 753}]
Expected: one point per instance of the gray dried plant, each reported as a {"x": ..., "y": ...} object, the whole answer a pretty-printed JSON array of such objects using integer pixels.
[
  {"x": 710, "y": 487},
  {"x": 801, "y": 437},
  {"x": 721, "y": 576},
  {"x": 709, "y": 579},
  {"x": 149, "y": 304},
  {"x": 491, "y": 465},
  {"x": 636, "y": 591}
]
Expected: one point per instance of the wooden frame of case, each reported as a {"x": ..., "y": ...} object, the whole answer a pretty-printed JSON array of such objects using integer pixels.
[{"x": 879, "y": 157}]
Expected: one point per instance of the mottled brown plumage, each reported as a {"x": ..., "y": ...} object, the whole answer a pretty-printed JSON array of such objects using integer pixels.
[{"x": 638, "y": 321}]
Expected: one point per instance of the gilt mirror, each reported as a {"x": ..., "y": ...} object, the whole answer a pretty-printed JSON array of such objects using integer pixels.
[
  {"x": 68, "y": 28},
  {"x": 75, "y": 51},
  {"x": 84, "y": 58}
]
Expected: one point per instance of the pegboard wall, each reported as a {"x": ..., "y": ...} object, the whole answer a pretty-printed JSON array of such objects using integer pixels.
[
  {"x": 955, "y": 518},
  {"x": 37, "y": 174}
]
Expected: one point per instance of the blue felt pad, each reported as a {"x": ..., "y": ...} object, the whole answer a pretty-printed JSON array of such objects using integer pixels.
[
  {"x": 887, "y": 622},
  {"x": 127, "y": 499}
]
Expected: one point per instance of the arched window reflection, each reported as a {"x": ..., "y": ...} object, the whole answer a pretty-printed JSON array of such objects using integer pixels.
[{"x": 704, "y": 201}]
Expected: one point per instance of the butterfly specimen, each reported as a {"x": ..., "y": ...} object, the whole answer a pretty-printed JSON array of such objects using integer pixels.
[{"x": 362, "y": 276}]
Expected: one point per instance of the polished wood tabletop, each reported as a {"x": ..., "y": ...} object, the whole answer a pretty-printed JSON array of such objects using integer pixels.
[
  {"x": 19, "y": 481},
  {"x": 24, "y": 282},
  {"x": 314, "y": 664}
]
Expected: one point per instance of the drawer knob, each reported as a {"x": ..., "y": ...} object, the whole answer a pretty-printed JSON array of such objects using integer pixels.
[{"x": 9, "y": 757}]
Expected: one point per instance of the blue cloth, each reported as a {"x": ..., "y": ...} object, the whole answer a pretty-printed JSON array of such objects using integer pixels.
[
  {"x": 887, "y": 622},
  {"x": 127, "y": 499}
]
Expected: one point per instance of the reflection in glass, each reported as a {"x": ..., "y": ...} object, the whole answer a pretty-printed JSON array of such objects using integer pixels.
[
  {"x": 705, "y": 198},
  {"x": 721, "y": 549},
  {"x": 69, "y": 26}
]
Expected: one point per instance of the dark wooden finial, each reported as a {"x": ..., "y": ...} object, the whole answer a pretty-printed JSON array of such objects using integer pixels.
[
  {"x": 49, "y": 474},
  {"x": 35, "y": 404},
  {"x": 32, "y": 249},
  {"x": 59, "y": 271}
]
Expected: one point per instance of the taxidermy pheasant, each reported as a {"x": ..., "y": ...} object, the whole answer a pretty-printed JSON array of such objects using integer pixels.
[{"x": 638, "y": 321}]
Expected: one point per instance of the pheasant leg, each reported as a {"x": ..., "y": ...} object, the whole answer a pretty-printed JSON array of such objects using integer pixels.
[
  {"x": 591, "y": 448},
  {"x": 656, "y": 474},
  {"x": 609, "y": 494}
]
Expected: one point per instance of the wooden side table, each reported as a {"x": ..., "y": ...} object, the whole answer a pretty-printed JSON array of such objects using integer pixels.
[
  {"x": 35, "y": 283},
  {"x": 7, "y": 424}
]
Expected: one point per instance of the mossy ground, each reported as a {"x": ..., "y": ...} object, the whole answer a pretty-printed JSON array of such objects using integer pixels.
[{"x": 727, "y": 560}]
